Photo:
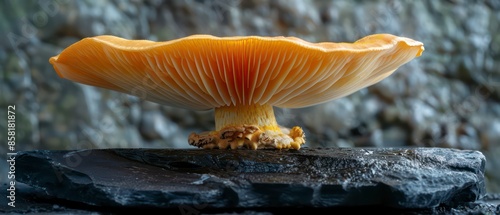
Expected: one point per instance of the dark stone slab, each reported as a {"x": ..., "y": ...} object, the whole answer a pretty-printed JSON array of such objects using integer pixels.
[
  {"x": 163, "y": 178},
  {"x": 31, "y": 200}
]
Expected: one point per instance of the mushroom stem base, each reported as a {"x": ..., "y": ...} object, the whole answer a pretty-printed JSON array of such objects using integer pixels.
[
  {"x": 251, "y": 126},
  {"x": 249, "y": 136}
]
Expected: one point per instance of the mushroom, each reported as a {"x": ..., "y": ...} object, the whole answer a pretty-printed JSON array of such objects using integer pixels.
[{"x": 242, "y": 78}]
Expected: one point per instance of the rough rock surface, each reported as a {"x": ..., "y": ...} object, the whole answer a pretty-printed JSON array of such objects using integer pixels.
[
  {"x": 449, "y": 97},
  {"x": 30, "y": 200},
  {"x": 162, "y": 178}
]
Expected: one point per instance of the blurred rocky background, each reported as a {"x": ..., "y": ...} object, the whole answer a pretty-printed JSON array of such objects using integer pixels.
[{"x": 449, "y": 97}]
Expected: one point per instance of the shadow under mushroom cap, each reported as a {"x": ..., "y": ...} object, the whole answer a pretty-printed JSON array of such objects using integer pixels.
[{"x": 203, "y": 72}]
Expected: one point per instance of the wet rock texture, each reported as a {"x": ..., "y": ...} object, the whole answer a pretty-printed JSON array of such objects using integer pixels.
[{"x": 154, "y": 178}]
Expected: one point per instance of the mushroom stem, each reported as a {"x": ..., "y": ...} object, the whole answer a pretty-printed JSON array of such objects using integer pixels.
[
  {"x": 261, "y": 116},
  {"x": 252, "y": 126}
]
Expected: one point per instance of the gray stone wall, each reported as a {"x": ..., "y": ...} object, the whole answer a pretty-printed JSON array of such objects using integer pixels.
[{"x": 449, "y": 97}]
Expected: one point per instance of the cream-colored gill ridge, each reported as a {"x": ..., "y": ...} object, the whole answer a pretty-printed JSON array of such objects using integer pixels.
[
  {"x": 363, "y": 70},
  {"x": 312, "y": 83},
  {"x": 172, "y": 84},
  {"x": 204, "y": 72},
  {"x": 98, "y": 64}
]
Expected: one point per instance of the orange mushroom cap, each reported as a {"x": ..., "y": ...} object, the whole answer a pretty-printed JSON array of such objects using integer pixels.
[{"x": 203, "y": 72}]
